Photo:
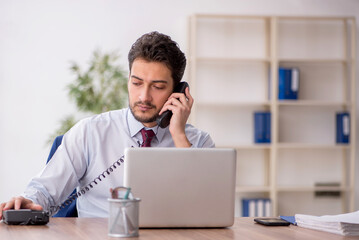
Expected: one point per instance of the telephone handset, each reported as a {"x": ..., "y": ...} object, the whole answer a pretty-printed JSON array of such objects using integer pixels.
[{"x": 164, "y": 120}]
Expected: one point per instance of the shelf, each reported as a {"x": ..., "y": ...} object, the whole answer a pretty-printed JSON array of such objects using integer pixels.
[
  {"x": 267, "y": 60},
  {"x": 226, "y": 16},
  {"x": 234, "y": 70},
  {"x": 289, "y": 146},
  {"x": 312, "y": 146},
  {"x": 315, "y": 18},
  {"x": 233, "y": 105},
  {"x": 310, "y": 189},
  {"x": 311, "y": 103},
  {"x": 268, "y": 17},
  {"x": 231, "y": 59},
  {"x": 312, "y": 60},
  {"x": 304, "y": 103},
  {"x": 247, "y": 147},
  {"x": 253, "y": 189}
]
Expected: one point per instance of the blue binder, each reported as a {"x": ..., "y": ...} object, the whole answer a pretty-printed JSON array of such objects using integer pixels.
[
  {"x": 343, "y": 127},
  {"x": 245, "y": 207},
  {"x": 288, "y": 83},
  {"x": 262, "y": 127},
  {"x": 267, "y": 136},
  {"x": 256, "y": 207}
]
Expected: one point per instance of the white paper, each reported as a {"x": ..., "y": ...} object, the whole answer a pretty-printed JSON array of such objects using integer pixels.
[{"x": 344, "y": 224}]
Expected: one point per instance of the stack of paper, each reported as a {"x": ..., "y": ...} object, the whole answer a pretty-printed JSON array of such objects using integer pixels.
[{"x": 343, "y": 224}]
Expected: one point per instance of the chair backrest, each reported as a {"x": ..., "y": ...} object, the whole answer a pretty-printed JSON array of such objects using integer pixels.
[
  {"x": 70, "y": 210},
  {"x": 55, "y": 145}
]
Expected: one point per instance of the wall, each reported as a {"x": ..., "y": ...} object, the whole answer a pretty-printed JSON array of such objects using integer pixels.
[{"x": 39, "y": 39}]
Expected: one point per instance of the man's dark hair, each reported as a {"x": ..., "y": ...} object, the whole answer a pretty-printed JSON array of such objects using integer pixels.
[{"x": 157, "y": 47}]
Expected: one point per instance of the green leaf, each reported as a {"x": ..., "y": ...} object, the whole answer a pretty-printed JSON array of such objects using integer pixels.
[{"x": 100, "y": 88}]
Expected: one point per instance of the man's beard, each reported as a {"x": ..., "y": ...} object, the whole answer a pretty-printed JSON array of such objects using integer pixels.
[{"x": 144, "y": 119}]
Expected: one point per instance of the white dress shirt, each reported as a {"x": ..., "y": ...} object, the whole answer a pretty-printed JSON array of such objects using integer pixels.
[{"x": 90, "y": 148}]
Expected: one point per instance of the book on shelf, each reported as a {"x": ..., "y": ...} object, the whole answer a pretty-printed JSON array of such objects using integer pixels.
[
  {"x": 327, "y": 193},
  {"x": 256, "y": 207},
  {"x": 262, "y": 127},
  {"x": 288, "y": 83},
  {"x": 343, "y": 127},
  {"x": 343, "y": 224}
]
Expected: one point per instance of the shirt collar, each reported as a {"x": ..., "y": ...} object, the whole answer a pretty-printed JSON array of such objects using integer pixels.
[{"x": 136, "y": 126}]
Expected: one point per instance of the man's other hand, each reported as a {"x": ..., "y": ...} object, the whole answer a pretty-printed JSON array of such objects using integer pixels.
[{"x": 19, "y": 203}]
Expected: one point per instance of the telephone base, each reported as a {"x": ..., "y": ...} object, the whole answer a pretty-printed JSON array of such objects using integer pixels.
[{"x": 25, "y": 217}]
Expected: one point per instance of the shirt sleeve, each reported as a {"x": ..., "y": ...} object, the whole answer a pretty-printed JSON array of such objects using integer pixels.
[
  {"x": 61, "y": 175},
  {"x": 203, "y": 141},
  {"x": 207, "y": 141}
]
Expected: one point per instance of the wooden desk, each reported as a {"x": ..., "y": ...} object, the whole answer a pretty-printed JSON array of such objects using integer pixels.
[{"x": 96, "y": 228}]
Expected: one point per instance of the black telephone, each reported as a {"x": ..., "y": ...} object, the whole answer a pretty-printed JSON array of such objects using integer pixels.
[
  {"x": 164, "y": 120},
  {"x": 25, "y": 217},
  {"x": 33, "y": 217}
]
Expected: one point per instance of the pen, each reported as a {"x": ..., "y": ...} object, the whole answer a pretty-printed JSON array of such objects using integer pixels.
[{"x": 127, "y": 193}]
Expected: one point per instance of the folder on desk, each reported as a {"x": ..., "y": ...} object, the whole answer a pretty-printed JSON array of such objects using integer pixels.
[{"x": 290, "y": 219}]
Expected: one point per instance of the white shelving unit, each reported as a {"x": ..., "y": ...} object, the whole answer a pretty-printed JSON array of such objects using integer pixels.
[{"x": 233, "y": 71}]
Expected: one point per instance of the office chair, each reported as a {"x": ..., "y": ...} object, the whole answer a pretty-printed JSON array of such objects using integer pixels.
[{"x": 70, "y": 210}]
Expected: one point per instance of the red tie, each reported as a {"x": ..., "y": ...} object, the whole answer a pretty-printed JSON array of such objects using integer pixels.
[{"x": 147, "y": 136}]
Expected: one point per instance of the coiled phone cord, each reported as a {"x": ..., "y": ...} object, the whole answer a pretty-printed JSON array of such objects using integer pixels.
[
  {"x": 82, "y": 191},
  {"x": 99, "y": 178}
]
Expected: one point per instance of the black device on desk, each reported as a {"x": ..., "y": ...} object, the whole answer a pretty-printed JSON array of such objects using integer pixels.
[
  {"x": 25, "y": 217},
  {"x": 272, "y": 221},
  {"x": 164, "y": 120}
]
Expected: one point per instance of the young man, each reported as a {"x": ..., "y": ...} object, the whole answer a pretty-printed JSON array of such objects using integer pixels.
[{"x": 93, "y": 145}]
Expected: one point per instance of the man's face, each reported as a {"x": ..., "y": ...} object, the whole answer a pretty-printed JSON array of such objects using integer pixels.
[{"x": 149, "y": 86}]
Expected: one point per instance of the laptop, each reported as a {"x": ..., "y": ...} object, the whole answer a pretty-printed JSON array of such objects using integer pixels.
[{"x": 182, "y": 187}]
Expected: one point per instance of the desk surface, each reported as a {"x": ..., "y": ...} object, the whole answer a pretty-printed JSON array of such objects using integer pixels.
[{"x": 96, "y": 228}]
